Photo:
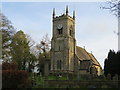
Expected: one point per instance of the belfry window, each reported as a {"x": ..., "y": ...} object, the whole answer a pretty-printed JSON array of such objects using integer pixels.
[
  {"x": 70, "y": 32},
  {"x": 59, "y": 64},
  {"x": 60, "y": 31}
]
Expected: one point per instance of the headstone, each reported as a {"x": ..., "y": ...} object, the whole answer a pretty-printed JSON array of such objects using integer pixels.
[
  {"x": 115, "y": 77},
  {"x": 109, "y": 77},
  {"x": 104, "y": 78}
]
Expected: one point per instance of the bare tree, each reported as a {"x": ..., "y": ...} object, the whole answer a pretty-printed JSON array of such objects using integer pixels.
[
  {"x": 30, "y": 40},
  {"x": 44, "y": 53},
  {"x": 44, "y": 45},
  {"x": 113, "y": 6}
]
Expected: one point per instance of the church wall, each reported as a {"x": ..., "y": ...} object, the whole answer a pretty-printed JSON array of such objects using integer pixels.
[
  {"x": 60, "y": 52},
  {"x": 76, "y": 64},
  {"x": 71, "y": 54},
  {"x": 71, "y": 61},
  {"x": 58, "y": 56},
  {"x": 71, "y": 25},
  {"x": 83, "y": 72}
]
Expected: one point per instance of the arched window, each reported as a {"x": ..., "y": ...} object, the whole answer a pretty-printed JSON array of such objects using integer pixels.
[
  {"x": 59, "y": 64},
  {"x": 60, "y": 31},
  {"x": 70, "y": 32}
]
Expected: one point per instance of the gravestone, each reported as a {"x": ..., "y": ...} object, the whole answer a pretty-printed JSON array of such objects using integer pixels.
[
  {"x": 115, "y": 77},
  {"x": 109, "y": 77}
]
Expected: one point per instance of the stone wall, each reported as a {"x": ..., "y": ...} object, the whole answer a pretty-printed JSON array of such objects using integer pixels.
[
  {"x": 85, "y": 81},
  {"x": 82, "y": 84}
]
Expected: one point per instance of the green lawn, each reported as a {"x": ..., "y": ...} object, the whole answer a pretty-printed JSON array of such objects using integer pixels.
[{"x": 56, "y": 78}]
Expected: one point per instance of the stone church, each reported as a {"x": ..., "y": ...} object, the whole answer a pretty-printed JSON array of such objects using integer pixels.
[{"x": 66, "y": 57}]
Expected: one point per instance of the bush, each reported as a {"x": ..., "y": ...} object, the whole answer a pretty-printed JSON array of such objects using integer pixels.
[{"x": 13, "y": 78}]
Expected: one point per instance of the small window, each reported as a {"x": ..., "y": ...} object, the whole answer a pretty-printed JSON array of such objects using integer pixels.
[{"x": 70, "y": 32}]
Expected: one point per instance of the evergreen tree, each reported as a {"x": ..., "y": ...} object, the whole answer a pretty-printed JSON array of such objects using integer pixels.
[
  {"x": 20, "y": 49},
  {"x": 112, "y": 63}
]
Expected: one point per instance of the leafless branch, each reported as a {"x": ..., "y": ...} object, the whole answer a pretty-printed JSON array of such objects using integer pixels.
[{"x": 113, "y": 6}]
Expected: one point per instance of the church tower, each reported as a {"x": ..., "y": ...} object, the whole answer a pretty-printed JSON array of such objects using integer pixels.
[{"x": 63, "y": 43}]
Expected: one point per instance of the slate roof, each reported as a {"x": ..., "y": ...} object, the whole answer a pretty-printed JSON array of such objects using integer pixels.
[
  {"x": 94, "y": 59},
  {"x": 82, "y": 54}
]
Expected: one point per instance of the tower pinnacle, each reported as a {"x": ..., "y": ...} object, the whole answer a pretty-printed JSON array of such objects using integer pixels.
[
  {"x": 74, "y": 14},
  {"x": 67, "y": 10},
  {"x": 53, "y": 12}
]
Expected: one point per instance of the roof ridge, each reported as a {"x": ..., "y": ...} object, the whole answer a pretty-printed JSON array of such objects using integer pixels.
[
  {"x": 91, "y": 57},
  {"x": 84, "y": 52},
  {"x": 95, "y": 58},
  {"x": 88, "y": 54}
]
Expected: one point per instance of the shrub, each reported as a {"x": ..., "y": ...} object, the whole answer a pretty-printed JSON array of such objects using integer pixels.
[{"x": 13, "y": 78}]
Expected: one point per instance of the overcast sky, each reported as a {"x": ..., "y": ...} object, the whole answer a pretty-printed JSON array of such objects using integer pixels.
[{"x": 94, "y": 26}]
